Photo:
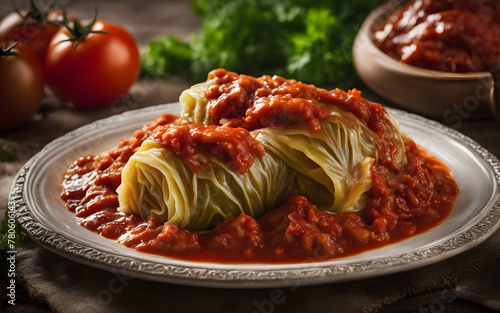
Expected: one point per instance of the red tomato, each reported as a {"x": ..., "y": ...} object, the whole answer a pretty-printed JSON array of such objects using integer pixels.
[
  {"x": 21, "y": 86},
  {"x": 34, "y": 34},
  {"x": 95, "y": 70}
]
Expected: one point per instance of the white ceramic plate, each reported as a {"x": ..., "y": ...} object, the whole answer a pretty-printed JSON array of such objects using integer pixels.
[{"x": 35, "y": 198}]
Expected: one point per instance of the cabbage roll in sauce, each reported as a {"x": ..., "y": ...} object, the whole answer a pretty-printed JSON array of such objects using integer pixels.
[
  {"x": 245, "y": 145},
  {"x": 262, "y": 170}
]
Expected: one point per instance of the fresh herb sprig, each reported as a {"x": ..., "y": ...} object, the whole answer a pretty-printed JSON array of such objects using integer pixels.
[
  {"x": 11, "y": 235},
  {"x": 6, "y": 155},
  {"x": 307, "y": 40}
]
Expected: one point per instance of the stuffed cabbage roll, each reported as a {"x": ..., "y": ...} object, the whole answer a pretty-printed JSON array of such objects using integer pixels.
[{"x": 245, "y": 145}]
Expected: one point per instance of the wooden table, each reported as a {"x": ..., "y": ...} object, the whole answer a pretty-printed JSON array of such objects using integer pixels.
[{"x": 147, "y": 19}]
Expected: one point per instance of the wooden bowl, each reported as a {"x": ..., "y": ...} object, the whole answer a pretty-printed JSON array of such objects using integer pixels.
[{"x": 445, "y": 95}]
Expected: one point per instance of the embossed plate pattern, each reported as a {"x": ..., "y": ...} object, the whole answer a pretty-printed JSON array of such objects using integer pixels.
[{"x": 35, "y": 199}]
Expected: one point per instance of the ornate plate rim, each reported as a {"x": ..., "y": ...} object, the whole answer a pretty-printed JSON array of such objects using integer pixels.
[{"x": 309, "y": 273}]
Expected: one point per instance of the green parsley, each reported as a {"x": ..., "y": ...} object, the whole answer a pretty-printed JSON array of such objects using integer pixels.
[
  {"x": 11, "y": 235},
  {"x": 6, "y": 155},
  {"x": 308, "y": 40}
]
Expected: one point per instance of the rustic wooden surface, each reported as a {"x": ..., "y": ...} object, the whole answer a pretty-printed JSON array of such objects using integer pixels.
[{"x": 147, "y": 19}]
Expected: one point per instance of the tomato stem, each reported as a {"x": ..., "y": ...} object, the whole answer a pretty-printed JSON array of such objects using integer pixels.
[
  {"x": 35, "y": 16},
  {"x": 8, "y": 51},
  {"x": 77, "y": 31}
]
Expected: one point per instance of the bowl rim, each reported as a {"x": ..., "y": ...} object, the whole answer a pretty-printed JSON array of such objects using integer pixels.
[{"x": 378, "y": 16}]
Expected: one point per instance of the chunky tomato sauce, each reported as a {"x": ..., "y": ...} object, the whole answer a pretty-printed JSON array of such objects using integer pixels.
[
  {"x": 251, "y": 103},
  {"x": 453, "y": 36},
  {"x": 404, "y": 200},
  {"x": 224, "y": 143}
]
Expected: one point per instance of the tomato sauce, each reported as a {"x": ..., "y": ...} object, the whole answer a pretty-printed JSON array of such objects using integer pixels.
[
  {"x": 251, "y": 103},
  {"x": 452, "y": 36},
  {"x": 404, "y": 200},
  {"x": 224, "y": 143}
]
